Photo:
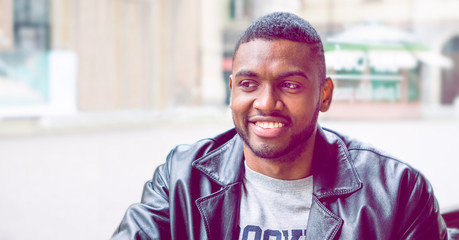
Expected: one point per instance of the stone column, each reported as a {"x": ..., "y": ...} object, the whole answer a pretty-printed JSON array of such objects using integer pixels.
[{"x": 6, "y": 25}]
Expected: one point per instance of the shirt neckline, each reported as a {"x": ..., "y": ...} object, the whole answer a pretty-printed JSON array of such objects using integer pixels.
[{"x": 276, "y": 185}]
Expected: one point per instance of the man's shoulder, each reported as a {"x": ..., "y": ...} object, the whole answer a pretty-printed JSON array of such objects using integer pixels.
[
  {"x": 388, "y": 186},
  {"x": 376, "y": 168},
  {"x": 364, "y": 154},
  {"x": 219, "y": 158}
]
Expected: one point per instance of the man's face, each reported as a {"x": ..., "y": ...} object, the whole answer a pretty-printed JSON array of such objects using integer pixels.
[{"x": 275, "y": 96}]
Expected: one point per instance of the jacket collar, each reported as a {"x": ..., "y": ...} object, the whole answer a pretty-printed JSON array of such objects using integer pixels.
[
  {"x": 333, "y": 170},
  {"x": 224, "y": 165},
  {"x": 334, "y": 176}
]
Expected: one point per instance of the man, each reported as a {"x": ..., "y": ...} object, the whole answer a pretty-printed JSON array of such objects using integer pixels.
[{"x": 279, "y": 174}]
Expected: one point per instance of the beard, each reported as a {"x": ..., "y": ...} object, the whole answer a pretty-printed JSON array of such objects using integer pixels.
[{"x": 295, "y": 146}]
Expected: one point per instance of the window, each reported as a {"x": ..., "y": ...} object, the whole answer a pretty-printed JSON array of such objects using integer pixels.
[{"x": 24, "y": 68}]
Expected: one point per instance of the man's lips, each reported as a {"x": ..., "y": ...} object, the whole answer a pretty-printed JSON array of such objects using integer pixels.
[
  {"x": 267, "y": 126},
  {"x": 269, "y": 121}
]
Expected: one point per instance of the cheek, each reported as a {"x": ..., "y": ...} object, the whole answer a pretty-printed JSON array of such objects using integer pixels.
[
  {"x": 240, "y": 103},
  {"x": 236, "y": 107},
  {"x": 302, "y": 108}
]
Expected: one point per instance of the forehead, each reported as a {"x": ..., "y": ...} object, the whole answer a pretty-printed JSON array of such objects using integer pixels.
[
  {"x": 274, "y": 54},
  {"x": 279, "y": 49}
]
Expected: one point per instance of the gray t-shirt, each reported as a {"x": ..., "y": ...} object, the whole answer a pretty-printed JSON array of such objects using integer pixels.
[{"x": 273, "y": 208}]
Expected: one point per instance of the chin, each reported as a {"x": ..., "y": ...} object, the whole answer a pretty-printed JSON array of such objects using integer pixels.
[
  {"x": 268, "y": 152},
  {"x": 293, "y": 147}
]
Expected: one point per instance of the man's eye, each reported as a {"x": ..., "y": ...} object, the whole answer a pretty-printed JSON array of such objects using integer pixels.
[
  {"x": 290, "y": 85},
  {"x": 247, "y": 84}
]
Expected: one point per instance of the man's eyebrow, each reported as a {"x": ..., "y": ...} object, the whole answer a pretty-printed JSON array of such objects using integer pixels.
[
  {"x": 293, "y": 73},
  {"x": 246, "y": 73}
]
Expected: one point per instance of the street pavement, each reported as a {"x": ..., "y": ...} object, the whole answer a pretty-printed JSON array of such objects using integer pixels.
[{"x": 65, "y": 184}]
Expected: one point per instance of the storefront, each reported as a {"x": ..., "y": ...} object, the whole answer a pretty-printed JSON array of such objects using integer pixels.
[{"x": 377, "y": 73}]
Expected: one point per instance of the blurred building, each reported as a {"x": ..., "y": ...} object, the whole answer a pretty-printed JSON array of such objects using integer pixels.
[
  {"x": 74, "y": 56},
  {"x": 70, "y": 56}
]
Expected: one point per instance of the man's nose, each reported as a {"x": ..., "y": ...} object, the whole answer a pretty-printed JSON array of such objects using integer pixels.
[{"x": 268, "y": 100}]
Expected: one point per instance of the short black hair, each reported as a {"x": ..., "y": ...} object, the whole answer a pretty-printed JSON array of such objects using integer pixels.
[{"x": 287, "y": 26}]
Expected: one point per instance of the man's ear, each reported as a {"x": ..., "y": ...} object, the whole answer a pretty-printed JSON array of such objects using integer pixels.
[
  {"x": 231, "y": 88},
  {"x": 326, "y": 94}
]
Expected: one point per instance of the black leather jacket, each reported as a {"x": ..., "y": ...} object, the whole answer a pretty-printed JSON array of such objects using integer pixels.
[{"x": 359, "y": 193}]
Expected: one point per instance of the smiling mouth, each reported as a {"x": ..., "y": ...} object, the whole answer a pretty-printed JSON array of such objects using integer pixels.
[{"x": 269, "y": 125}]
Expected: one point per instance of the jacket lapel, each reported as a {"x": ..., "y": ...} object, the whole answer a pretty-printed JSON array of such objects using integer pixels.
[
  {"x": 334, "y": 177},
  {"x": 333, "y": 170},
  {"x": 220, "y": 210},
  {"x": 323, "y": 224}
]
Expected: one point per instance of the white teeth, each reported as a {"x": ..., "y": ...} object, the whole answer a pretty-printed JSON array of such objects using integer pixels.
[{"x": 269, "y": 124}]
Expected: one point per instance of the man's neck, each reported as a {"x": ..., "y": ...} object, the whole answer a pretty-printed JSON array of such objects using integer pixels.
[{"x": 289, "y": 167}]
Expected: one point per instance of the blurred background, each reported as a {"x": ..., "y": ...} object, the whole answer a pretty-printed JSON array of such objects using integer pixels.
[{"x": 94, "y": 94}]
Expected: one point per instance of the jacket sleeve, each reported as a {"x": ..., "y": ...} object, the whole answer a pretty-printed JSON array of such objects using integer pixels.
[
  {"x": 422, "y": 219},
  {"x": 150, "y": 218}
]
